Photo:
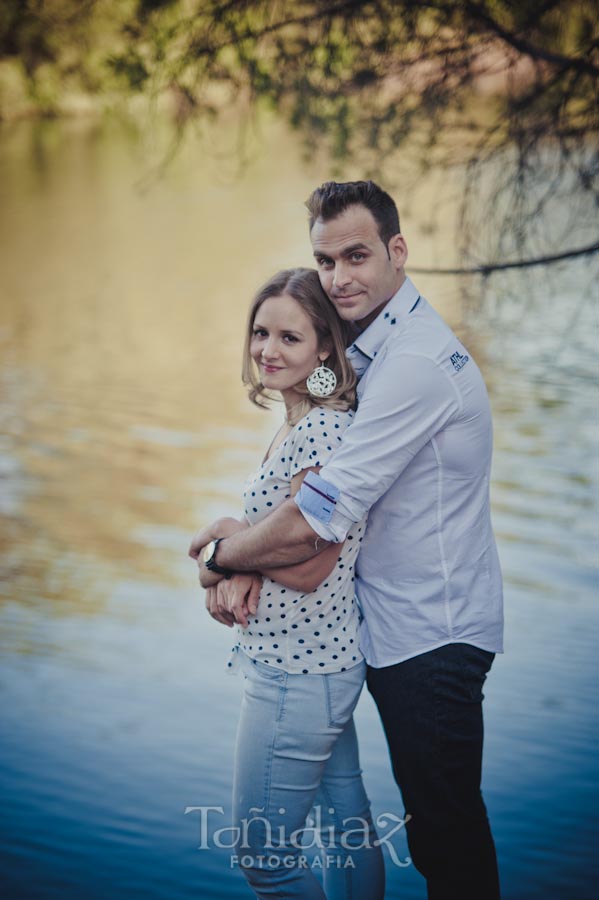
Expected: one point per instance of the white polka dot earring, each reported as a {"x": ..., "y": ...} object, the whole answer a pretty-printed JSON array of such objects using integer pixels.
[{"x": 322, "y": 382}]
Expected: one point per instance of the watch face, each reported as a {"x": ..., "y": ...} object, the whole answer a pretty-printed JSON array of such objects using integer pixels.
[{"x": 209, "y": 551}]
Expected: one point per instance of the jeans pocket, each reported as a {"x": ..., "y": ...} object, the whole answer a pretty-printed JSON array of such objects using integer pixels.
[
  {"x": 266, "y": 671},
  {"x": 261, "y": 671},
  {"x": 342, "y": 690}
]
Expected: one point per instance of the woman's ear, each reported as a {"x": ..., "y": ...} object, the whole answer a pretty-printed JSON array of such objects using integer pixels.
[{"x": 325, "y": 351}]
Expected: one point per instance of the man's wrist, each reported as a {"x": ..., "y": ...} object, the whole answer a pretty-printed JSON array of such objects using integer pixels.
[{"x": 210, "y": 561}]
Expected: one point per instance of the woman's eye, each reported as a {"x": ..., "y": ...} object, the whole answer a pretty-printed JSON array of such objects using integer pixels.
[
  {"x": 291, "y": 338},
  {"x": 259, "y": 332}
]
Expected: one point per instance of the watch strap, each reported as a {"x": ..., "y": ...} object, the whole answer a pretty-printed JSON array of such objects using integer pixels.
[{"x": 213, "y": 566}]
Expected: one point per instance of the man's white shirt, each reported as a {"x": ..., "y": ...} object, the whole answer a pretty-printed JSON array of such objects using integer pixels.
[{"x": 418, "y": 456}]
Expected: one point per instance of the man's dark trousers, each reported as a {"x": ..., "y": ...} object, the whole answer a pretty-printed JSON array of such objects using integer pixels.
[{"x": 431, "y": 709}]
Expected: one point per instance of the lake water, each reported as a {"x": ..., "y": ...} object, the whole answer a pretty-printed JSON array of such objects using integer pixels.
[{"x": 123, "y": 427}]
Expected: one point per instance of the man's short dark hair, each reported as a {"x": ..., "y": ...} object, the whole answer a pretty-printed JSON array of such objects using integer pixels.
[{"x": 332, "y": 198}]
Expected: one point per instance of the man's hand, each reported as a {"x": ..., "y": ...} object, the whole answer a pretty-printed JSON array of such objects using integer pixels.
[
  {"x": 234, "y": 599},
  {"x": 221, "y": 528},
  {"x": 283, "y": 538}
]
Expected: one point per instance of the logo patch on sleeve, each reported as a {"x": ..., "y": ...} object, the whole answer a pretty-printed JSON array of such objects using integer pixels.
[{"x": 458, "y": 361}]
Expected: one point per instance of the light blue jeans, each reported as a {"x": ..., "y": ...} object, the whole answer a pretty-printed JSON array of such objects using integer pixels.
[{"x": 297, "y": 753}]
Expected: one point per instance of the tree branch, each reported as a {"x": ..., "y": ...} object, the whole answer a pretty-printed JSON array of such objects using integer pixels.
[
  {"x": 346, "y": 7},
  {"x": 488, "y": 268},
  {"x": 523, "y": 46}
]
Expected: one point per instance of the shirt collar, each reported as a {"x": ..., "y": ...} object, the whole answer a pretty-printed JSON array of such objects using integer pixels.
[{"x": 396, "y": 311}]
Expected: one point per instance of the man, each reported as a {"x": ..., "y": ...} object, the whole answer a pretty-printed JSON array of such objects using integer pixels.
[{"x": 418, "y": 457}]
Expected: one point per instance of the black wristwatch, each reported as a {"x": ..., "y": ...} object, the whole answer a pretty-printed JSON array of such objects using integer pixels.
[{"x": 210, "y": 560}]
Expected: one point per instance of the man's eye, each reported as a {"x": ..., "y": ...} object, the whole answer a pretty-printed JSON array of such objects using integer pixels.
[
  {"x": 323, "y": 263},
  {"x": 357, "y": 257}
]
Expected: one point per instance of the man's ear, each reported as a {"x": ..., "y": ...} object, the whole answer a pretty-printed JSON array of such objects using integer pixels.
[{"x": 398, "y": 250}]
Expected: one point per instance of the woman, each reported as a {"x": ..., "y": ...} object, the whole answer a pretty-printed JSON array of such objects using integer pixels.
[{"x": 303, "y": 671}]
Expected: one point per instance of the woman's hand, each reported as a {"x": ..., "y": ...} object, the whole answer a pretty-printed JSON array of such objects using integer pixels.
[
  {"x": 234, "y": 599},
  {"x": 212, "y": 605}
]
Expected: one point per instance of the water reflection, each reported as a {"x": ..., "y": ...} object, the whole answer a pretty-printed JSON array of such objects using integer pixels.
[{"x": 123, "y": 427}]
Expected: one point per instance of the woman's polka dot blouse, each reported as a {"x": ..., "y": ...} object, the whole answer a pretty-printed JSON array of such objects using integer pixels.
[{"x": 295, "y": 631}]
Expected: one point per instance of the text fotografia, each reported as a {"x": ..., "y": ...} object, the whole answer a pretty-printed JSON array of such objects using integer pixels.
[
  {"x": 290, "y": 862},
  {"x": 356, "y": 834}
]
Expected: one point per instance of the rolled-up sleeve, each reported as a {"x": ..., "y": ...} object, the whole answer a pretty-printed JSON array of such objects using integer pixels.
[{"x": 405, "y": 403}]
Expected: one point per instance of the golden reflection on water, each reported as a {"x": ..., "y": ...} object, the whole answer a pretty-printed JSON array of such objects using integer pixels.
[{"x": 122, "y": 310}]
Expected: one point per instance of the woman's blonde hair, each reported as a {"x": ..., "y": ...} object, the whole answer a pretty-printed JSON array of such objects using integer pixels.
[{"x": 333, "y": 334}]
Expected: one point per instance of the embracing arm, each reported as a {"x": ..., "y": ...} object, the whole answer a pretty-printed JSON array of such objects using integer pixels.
[
  {"x": 236, "y": 599},
  {"x": 280, "y": 541},
  {"x": 306, "y": 576},
  {"x": 303, "y": 576}
]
